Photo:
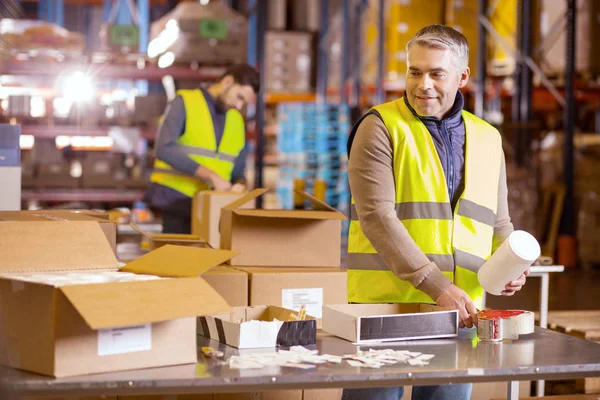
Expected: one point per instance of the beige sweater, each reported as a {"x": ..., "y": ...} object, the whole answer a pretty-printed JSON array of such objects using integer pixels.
[{"x": 371, "y": 177}]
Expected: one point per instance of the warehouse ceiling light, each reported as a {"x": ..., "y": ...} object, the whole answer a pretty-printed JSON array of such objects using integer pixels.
[
  {"x": 166, "y": 60},
  {"x": 26, "y": 142},
  {"x": 84, "y": 142},
  {"x": 164, "y": 40},
  {"x": 62, "y": 107},
  {"x": 78, "y": 87}
]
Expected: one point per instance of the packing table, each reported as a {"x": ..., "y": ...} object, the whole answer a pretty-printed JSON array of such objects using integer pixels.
[{"x": 543, "y": 354}]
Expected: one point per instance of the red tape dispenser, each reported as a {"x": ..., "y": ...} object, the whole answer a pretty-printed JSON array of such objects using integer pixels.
[{"x": 497, "y": 325}]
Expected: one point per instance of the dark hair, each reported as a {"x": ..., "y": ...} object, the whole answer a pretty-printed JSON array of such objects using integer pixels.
[{"x": 244, "y": 74}]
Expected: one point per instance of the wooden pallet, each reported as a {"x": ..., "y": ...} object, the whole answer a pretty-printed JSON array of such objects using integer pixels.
[{"x": 584, "y": 324}]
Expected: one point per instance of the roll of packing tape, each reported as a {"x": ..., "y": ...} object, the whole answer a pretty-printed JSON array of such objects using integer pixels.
[
  {"x": 496, "y": 325},
  {"x": 508, "y": 262}
]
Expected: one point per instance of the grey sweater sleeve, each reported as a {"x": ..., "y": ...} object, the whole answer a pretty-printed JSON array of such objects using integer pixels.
[
  {"x": 239, "y": 169},
  {"x": 371, "y": 175},
  {"x": 503, "y": 226},
  {"x": 170, "y": 130}
]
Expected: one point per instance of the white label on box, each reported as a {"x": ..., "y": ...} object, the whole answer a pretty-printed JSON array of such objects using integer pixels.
[
  {"x": 311, "y": 298},
  {"x": 127, "y": 339}
]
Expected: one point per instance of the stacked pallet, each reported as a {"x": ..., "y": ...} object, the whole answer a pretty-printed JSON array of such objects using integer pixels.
[{"x": 584, "y": 325}]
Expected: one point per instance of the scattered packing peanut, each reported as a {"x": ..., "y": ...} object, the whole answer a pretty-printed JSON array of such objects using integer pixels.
[{"x": 303, "y": 358}]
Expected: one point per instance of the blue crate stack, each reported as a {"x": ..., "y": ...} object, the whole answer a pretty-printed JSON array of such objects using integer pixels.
[{"x": 312, "y": 146}]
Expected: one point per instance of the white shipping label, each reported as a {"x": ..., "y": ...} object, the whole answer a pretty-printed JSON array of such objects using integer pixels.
[
  {"x": 311, "y": 298},
  {"x": 127, "y": 339}
]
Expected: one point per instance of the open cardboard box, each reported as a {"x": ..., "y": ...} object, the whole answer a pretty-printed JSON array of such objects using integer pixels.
[
  {"x": 109, "y": 228},
  {"x": 160, "y": 239},
  {"x": 229, "y": 283},
  {"x": 65, "y": 309},
  {"x": 282, "y": 238},
  {"x": 365, "y": 323},
  {"x": 206, "y": 213},
  {"x": 257, "y": 327},
  {"x": 293, "y": 287}
]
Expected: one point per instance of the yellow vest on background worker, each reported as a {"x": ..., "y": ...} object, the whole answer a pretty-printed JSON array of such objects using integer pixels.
[
  {"x": 457, "y": 241},
  {"x": 200, "y": 143}
]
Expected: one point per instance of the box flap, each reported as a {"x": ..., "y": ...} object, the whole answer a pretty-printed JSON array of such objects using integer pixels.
[
  {"x": 316, "y": 203},
  {"x": 49, "y": 215},
  {"x": 119, "y": 304},
  {"x": 245, "y": 199},
  {"x": 140, "y": 231},
  {"x": 179, "y": 261},
  {"x": 42, "y": 246},
  {"x": 290, "y": 214},
  {"x": 167, "y": 237}
]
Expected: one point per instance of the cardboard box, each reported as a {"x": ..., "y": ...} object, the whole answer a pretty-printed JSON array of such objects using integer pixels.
[
  {"x": 293, "y": 287},
  {"x": 270, "y": 395},
  {"x": 364, "y": 323},
  {"x": 282, "y": 238},
  {"x": 72, "y": 398},
  {"x": 65, "y": 309},
  {"x": 230, "y": 283},
  {"x": 258, "y": 327},
  {"x": 206, "y": 213},
  {"x": 322, "y": 394},
  {"x": 207, "y": 396},
  {"x": 158, "y": 240},
  {"x": 108, "y": 228}
]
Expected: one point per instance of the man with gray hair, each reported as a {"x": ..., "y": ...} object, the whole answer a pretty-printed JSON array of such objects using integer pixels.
[{"x": 429, "y": 196}]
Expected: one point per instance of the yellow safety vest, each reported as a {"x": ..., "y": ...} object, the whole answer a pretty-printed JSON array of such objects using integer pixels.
[
  {"x": 457, "y": 241},
  {"x": 200, "y": 143}
]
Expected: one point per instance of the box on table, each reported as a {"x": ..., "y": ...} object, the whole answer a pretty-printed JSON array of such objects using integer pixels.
[
  {"x": 230, "y": 283},
  {"x": 270, "y": 395},
  {"x": 206, "y": 396},
  {"x": 282, "y": 238},
  {"x": 108, "y": 228},
  {"x": 160, "y": 239},
  {"x": 65, "y": 309},
  {"x": 322, "y": 394},
  {"x": 72, "y": 398},
  {"x": 206, "y": 213},
  {"x": 259, "y": 327},
  {"x": 364, "y": 323},
  {"x": 293, "y": 287}
]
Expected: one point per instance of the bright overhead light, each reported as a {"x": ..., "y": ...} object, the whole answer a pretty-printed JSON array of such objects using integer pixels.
[
  {"x": 84, "y": 142},
  {"x": 26, "y": 142},
  {"x": 62, "y": 107},
  {"x": 172, "y": 24},
  {"x": 78, "y": 87},
  {"x": 37, "y": 107},
  {"x": 204, "y": 2},
  {"x": 154, "y": 47},
  {"x": 166, "y": 60}
]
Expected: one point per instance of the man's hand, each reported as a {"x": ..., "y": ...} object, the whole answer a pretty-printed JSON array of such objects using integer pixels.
[
  {"x": 456, "y": 298},
  {"x": 219, "y": 184},
  {"x": 516, "y": 285},
  {"x": 211, "y": 177}
]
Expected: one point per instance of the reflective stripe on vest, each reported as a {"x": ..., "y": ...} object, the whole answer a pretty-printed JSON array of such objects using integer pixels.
[
  {"x": 199, "y": 142},
  {"x": 458, "y": 241}
]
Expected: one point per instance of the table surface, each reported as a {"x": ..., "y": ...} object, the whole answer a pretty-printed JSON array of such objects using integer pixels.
[
  {"x": 540, "y": 269},
  {"x": 542, "y": 354}
]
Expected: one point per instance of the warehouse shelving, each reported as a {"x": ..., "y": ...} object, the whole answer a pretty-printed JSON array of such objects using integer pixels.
[
  {"x": 110, "y": 70},
  {"x": 91, "y": 195},
  {"x": 49, "y": 132}
]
